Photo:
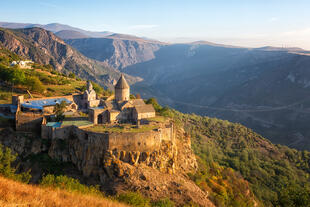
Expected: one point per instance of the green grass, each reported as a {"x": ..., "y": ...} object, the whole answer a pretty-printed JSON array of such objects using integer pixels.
[
  {"x": 158, "y": 119},
  {"x": 121, "y": 128},
  {"x": 76, "y": 123},
  {"x": 59, "y": 90}
]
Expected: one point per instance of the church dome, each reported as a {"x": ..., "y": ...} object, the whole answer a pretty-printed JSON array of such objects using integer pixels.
[{"x": 121, "y": 83}]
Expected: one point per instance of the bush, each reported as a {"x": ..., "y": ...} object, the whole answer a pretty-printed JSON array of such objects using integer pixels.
[
  {"x": 70, "y": 184},
  {"x": 134, "y": 199},
  {"x": 163, "y": 203},
  {"x": 6, "y": 159},
  {"x": 155, "y": 104},
  {"x": 12, "y": 75},
  {"x": 72, "y": 75},
  {"x": 34, "y": 84}
]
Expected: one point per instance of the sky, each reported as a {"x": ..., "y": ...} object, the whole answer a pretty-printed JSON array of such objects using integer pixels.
[{"x": 248, "y": 23}]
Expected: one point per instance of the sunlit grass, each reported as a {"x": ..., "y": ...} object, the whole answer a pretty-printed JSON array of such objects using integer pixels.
[{"x": 14, "y": 193}]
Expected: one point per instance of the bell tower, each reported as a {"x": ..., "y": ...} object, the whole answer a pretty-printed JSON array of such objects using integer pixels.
[{"x": 122, "y": 90}]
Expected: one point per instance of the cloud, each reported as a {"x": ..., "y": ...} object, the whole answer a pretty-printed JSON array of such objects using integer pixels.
[
  {"x": 143, "y": 26},
  {"x": 48, "y": 4},
  {"x": 273, "y": 19}
]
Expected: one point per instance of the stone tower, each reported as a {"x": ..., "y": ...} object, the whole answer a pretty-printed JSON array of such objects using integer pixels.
[
  {"x": 89, "y": 94},
  {"x": 89, "y": 86},
  {"x": 122, "y": 90}
]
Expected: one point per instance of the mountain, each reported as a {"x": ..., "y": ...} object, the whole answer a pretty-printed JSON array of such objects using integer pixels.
[
  {"x": 262, "y": 89},
  {"x": 53, "y": 27},
  {"x": 44, "y": 47},
  {"x": 118, "y": 51},
  {"x": 70, "y": 34}
]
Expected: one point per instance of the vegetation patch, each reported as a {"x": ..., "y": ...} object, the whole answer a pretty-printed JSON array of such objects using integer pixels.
[{"x": 276, "y": 173}]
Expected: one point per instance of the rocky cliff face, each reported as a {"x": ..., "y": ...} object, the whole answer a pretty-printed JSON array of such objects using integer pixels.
[
  {"x": 117, "y": 52},
  {"x": 156, "y": 174},
  {"x": 44, "y": 47}
]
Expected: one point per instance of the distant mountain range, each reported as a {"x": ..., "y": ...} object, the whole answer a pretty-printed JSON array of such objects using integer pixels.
[
  {"x": 44, "y": 47},
  {"x": 54, "y": 27},
  {"x": 266, "y": 88}
]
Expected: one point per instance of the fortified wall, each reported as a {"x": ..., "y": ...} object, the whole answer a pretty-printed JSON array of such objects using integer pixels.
[
  {"x": 127, "y": 141},
  {"x": 96, "y": 153}
]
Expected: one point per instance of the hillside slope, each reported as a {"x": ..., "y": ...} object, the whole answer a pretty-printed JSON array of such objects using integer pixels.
[
  {"x": 44, "y": 47},
  {"x": 14, "y": 193},
  {"x": 264, "y": 90},
  {"x": 277, "y": 175},
  {"x": 118, "y": 51}
]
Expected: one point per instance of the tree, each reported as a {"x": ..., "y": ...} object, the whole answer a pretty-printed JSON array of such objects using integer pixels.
[
  {"x": 155, "y": 104},
  {"x": 97, "y": 88},
  {"x": 59, "y": 110},
  {"x": 34, "y": 84},
  {"x": 72, "y": 75},
  {"x": 6, "y": 169}
]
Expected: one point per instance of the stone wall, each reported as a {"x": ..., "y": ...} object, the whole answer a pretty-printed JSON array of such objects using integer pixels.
[
  {"x": 28, "y": 121},
  {"x": 122, "y": 94},
  {"x": 143, "y": 115},
  {"x": 93, "y": 152},
  {"x": 141, "y": 141}
]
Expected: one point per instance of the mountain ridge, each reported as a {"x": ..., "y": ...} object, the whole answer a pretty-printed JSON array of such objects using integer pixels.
[{"x": 44, "y": 47}]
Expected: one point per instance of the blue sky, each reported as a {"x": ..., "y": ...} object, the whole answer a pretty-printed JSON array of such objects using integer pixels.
[{"x": 250, "y": 23}]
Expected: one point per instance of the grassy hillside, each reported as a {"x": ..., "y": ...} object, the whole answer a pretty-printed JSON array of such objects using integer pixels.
[
  {"x": 229, "y": 152},
  {"x": 13, "y": 193},
  {"x": 40, "y": 80}
]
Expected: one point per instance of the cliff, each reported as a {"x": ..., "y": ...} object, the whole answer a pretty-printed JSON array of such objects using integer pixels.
[
  {"x": 44, "y": 47},
  {"x": 117, "y": 51},
  {"x": 155, "y": 173}
]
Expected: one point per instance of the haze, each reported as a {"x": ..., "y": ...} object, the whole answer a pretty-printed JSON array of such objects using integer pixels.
[{"x": 255, "y": 23}]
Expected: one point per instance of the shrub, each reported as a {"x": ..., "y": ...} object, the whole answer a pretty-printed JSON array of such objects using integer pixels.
[
  {"x": 163, "y": 203},
  {"x": 155, "y": 104},
  {"x": 134, "y": 199},
  {"x": 34, "y": 84},
  {"x": 72, "y": 75},
  {"x": 12, "y": 75},
  {"x": 70, "y": 184},
  {"x": 6, "y": 159}
]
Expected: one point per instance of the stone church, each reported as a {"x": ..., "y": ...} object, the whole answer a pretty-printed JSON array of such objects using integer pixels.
[{"x": 121, "y": 109}]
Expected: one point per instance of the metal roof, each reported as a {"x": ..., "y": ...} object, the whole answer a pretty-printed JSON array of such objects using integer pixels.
[
  {"x": 54, "y": 124},
  {"x": 39, "y": 104}
]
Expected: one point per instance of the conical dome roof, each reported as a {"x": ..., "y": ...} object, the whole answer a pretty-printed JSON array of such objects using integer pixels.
[{"x": 122, "y": 83}]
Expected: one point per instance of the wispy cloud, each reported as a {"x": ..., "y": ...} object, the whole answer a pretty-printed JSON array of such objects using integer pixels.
[
  {"x": 48, "y": 5},
  {"x": 273, "y": 19},
  {"x": 143, "y": 26}
]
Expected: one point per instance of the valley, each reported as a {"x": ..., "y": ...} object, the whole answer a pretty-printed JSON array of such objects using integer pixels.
[{"x": 212, "y": 162}]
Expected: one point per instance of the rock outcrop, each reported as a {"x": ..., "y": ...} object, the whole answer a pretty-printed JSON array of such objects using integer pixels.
[{"x": 156, "y": 174}]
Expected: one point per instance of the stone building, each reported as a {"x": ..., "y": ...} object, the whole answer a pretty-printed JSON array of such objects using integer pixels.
[
  {"x": 121, "y": 109},
  {"x": 29, "y": 113}
]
